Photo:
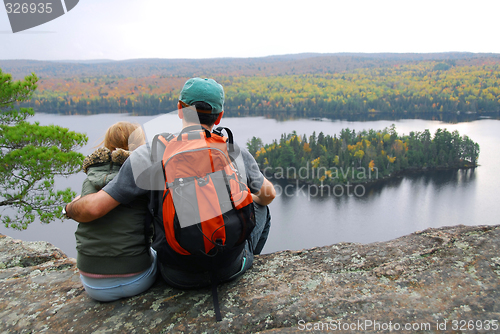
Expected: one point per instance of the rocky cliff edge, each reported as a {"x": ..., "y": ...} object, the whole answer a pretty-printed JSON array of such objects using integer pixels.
[{"x": 433, "y": 281}]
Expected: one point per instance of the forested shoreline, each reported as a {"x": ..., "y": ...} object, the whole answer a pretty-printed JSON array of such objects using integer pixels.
[
  {"x": 399, "y": 87},
  {"x": 361, "y": 157}
]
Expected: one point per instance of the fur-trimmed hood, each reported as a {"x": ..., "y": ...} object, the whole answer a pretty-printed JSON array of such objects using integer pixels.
[{"x": 104, "y": 155}]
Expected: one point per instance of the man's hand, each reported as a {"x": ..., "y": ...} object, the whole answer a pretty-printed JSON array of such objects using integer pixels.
[{"x": 90, "y": 207}]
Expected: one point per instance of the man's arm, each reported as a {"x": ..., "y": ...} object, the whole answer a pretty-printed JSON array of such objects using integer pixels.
[
  {"x": 266, "y": 194},
  {"x": 91, "y": 207}
]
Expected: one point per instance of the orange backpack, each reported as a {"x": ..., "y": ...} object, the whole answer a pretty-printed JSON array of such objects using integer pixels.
[{"x": 206, "y": 204}]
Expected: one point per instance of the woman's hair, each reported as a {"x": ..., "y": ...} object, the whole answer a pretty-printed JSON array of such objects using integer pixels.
[{"x": 124, "y": 135}]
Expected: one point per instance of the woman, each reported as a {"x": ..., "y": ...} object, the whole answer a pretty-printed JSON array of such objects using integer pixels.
[{"x": 114, "y": 257}]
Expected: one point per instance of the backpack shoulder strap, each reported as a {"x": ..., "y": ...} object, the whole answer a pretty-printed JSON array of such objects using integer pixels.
[
  {"x": 154, "y": 194},
  {"x": 156, "y": 140},
  {"x": 230, "y": 140}
]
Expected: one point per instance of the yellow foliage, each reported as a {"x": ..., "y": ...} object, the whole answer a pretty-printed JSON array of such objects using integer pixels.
[
  {"x": 336, "y": 161},
  {"x": 315, "y": 163},
  {"x": 371, "y": 165},
  {"x": 359, "y": 154},
  {"x": 261, "y": 151}
]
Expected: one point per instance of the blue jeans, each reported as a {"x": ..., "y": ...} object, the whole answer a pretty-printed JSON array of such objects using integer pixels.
[
  {"x": 109, "y": 289},
  {"x": 254, "y": 245}
]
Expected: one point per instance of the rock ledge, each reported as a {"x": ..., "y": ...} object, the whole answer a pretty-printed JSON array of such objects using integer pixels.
[{"x": 436, "y": 277}]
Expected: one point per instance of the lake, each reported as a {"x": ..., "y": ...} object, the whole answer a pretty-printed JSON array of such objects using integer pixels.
[{"x": 300, "y": 220}]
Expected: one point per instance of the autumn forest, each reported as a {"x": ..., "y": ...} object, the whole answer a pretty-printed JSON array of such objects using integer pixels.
[{"x": 306, "y": 86}]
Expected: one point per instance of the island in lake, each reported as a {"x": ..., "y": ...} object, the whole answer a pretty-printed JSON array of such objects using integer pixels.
[{"x": 361, "y": 157}]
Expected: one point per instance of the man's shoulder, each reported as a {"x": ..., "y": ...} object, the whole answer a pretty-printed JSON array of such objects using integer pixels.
[
  {"x": 142, "y": 152},
  {"x": 248, "y": 159},
  {"x": 140, "y": 159}
]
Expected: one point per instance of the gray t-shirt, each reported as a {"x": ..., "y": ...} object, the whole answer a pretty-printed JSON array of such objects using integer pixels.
[{"x": 134, "y": 178}]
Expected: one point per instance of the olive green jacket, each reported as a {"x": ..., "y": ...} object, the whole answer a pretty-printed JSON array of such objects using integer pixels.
[{"x": 115, "y": 243}]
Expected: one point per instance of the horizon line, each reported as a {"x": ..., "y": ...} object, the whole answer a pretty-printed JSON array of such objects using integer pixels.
[{"x": 256, "y": 57}]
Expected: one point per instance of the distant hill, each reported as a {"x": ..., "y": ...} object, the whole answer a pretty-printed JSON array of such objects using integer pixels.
[
  {"x": 294, "y": 64},
  {"x": 301, "y": 85}
]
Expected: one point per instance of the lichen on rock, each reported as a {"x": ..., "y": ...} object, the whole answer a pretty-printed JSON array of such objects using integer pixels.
[{"x": 428, "y": 277}]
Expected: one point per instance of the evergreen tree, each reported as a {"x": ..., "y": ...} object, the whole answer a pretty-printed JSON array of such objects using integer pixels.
[
  {"x": 254, "y": 144},
  {"x": 30, "y": 157},
  {"x": 384, "y": 150}
]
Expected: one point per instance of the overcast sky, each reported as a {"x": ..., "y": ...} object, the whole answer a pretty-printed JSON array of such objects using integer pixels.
[{"x": 127, "y": 29}]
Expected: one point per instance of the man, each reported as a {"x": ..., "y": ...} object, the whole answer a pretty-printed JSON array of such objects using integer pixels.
[{"x": 207, "y": 96}]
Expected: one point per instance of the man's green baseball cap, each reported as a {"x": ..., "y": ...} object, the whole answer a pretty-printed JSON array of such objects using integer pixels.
[{"x": 203, "y": 90}]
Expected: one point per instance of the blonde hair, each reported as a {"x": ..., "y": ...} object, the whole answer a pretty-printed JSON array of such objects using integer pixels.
[{"x": 124, "y": 135}]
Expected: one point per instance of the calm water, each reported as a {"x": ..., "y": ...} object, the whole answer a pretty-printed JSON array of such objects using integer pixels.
[{"x": 389, "y": 210}]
